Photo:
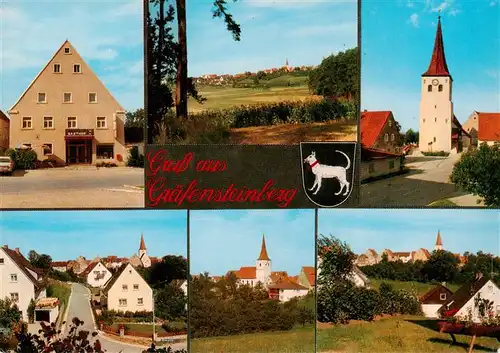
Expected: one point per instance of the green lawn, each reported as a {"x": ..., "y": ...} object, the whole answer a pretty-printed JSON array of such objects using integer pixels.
[
  {"x": 395, "y": 335},
  {"x": 226, "y": 97},
  {"x": 60, "y": 291},
  {"x": 421, "y": 288},
  {"x": 298, "y": 340}
]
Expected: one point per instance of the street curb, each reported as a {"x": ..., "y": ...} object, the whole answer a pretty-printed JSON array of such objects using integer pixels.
[
  {"x": 106, "y": 337},
  {"x": 66, "y": 312}
]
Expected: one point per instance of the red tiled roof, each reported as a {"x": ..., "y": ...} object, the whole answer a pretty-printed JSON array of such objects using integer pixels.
[
  {"x": 434, "y": 290},
  {"x": 24, "y": 265},
  {"x": 438, "y": 66},
  {"x": 142, "y": 246},
  {"x": 89, "y": 269},
  {"x": 403, "y": 254},
  {"x": 371, "y": 124},
  {"x": 3, "y": 116},
  {"x": 246, "y": 273},
  {"x": 286, "y": 284},
  {"x": 438, "y": 239},
  {"x": 489, "y": 126},
  {"x": 310, "y": 274},
  {"x": 59, "y": 264},
  {"x": 426, "y": 252},
  {"x": 278, "y": 275}
]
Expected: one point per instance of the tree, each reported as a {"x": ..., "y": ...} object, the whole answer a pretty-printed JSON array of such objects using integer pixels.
[
  {"x": 41, "y": 261},
  {"x": 442, "y": 266},
  {"x": 9, "y": 313},
  {"x": 410, "y": 136},
  {"x": 170, "y": 303},
  {"x": 337, "y": 76},
  {"x": 337, "y": 260},
  {"x": 478, "y": 172},
  {"x": 167, "y": 62},
  {"x": 135, "y": 119},
  {"x": 170, "y": 268}
]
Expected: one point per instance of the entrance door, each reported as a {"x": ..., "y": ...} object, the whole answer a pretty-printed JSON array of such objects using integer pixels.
[{"x": 79, "y": 152}]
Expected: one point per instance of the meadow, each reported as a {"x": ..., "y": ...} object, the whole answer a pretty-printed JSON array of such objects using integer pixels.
[
  {"x": 297, "y": 340},
  {"x": 418, "y": 287}
]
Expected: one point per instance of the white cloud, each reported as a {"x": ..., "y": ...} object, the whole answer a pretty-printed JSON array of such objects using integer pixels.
[{"x": 413, "y": 20}]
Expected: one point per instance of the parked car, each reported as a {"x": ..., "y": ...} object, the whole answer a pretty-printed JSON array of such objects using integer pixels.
[{"x": 6, "y": 165}]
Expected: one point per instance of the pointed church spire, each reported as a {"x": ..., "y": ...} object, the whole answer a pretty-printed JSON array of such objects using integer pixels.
[
  {"x": 439, "y": 242},
  {"x": 286, "y": 62},
  {"x": 438, "y": 66},
  {"x": 143, "y": 245},
  {"x": 263, "y": 251}
]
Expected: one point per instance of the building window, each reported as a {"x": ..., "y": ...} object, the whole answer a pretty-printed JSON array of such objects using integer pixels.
[
  {"x": 498, "y": 309},
  {"x": 1, "y": 261},
  {"x": 42, "y": 97},
  {"x": 101, "y": 122},
  {"x": 124, "y": 287},
  {"x": 136, "y": 287},
  {"x": 13, "y": 277},
  {"x": 122, "y": 302},
  {"x": 390, "y": 123},
  {"x": 393, "y": 137},
  {"x": 27, "y": 122},
  {"x": 429, "y": 88},
  {"x": 442, "y": 296},
  {"x": 67, "y": 97},
  {"x": 490, "y": 289},
  {"x": 435, "y": 120},
  {"x": 47, "y": 149},
  {"x": 386, "y": 137},
  {"x": 434, "y": 139},
  {"x": 424, "y": 120},
  {"x": 77, "y": 69},
  {"x": 48, "y": 122},
  {"x": 67, "y": 51},
  {"x": 440, "y": 88},
  {"x": 140, "y": 301},
  {"x": 72, "y": 122},
  {"x": 371, "y": 167},
  {"x": 92, "y": 97},
  {"x": 27, "y": 145},
  {"x": 391, "y": 164},
  {"x": 57, "y": 68},
  {"x": 14, "y": 297},
  {"x": 104, "y": 152}
]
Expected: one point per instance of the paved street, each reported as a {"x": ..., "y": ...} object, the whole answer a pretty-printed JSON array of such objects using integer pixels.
[
  {"x": 428, "y": 181},
  {"x": 79, "y": 307},
  {"x": 84, "y": 187}
]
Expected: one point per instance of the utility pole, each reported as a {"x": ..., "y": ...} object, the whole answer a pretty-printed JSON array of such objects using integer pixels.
[{"x": 154, "y": 321}]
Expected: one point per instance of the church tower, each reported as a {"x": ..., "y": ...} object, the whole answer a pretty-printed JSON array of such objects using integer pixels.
[
  {"x": 263, "y": 264},
  {"x": 439, "y": 242},
  {"x": 143, "y": 254},
  {"x": 436, "y": 106}
]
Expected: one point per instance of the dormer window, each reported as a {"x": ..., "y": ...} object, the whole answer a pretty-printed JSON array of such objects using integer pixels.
[
  {"x": 77, "y": 69},
  {"x": 67, "y": 50},
  {"x": 57, "y": 68}
]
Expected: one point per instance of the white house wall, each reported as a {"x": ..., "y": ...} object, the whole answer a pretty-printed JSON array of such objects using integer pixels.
[
  {"x": 129, "y": 277},
  {"x": 288, "y": 294},
  {"x": 489, "y": 291},
  {"x": 430, "y": 310},
  {"x": 99, "y": 283}
]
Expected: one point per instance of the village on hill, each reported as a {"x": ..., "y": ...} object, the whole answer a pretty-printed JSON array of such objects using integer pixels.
[{"x": 126, "y": 300}]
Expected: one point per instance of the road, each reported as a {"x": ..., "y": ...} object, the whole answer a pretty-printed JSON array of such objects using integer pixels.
[
  {"x": 79, "y": 307},
  {"x": 85, "y": 187},
  {"x": 427, "y": 181}
]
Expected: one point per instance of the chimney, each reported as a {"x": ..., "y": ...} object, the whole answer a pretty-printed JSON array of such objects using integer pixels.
[
  {"x": 5, "y": 246},
  {"x": 17, "y": 250}
]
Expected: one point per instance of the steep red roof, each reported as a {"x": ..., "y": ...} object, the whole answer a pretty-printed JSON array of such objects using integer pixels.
[
  {"x": 278, "y": 275},
  {"x": 247, "y": 273},
  {"x": 263, "y": 251},
  {"x": 59, "y": 263},
  {"x": 286, "y": 284},
  {"x": 89, "y": 269},
  {"x": 371, "y": 124},
  {"x": 142, "y": 246},
  {"x": 310, "y": 273},
  {"x": 4, "y": 117},
  {"x": 438, "y": 239},
  {"x": 24, "y": 265},
  {"x": 489, "y": 127},
  {"x": 438, "y": 66}
]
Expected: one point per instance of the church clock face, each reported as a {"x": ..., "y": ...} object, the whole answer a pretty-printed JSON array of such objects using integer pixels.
[{"x": 435, "y": 82}]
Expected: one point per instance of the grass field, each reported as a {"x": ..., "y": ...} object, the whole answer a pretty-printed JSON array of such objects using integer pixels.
[
  {"x": 227, "y": 97},
  {"x": 443, "y": 203},
  {"x": 298, "y": 340},
  {"x": 395, "y": 335},
  {"x": 420, "y": 288}
]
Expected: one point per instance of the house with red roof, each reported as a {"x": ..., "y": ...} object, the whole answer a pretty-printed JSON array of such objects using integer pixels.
[
  {"x": 434, "y": 299},
  {"x": 96, "y": 274},
  {"x": 379, "y": 131},
  {"x": 488, "y": 128}
]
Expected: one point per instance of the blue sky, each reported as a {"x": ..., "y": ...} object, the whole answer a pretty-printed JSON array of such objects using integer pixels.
[
  {"x": 397, "y": 42},
  {"x": 303, "y": 31},
  {"x": 410, "y": 229},
  {"x": 108, "y": 34},
  {"x": 65, "y": 235},
  {"x": 226, "y": 240}
]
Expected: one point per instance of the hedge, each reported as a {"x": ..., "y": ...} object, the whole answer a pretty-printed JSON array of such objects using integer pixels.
[{"x": 23, "y": 159}]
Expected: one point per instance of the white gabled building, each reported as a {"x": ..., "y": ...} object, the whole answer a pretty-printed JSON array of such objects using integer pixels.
[
  {"x": 97, "y": 275},
  {"x": 19, "y": 280},
  {"x": 464, "y": 299},
  {"x": 128, "y": 291}
]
